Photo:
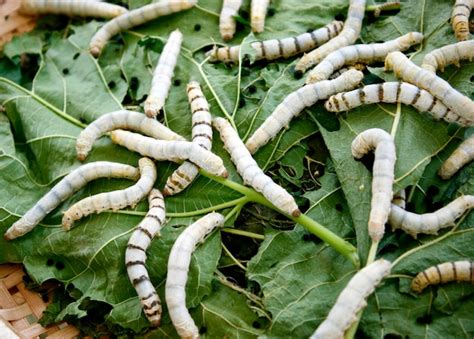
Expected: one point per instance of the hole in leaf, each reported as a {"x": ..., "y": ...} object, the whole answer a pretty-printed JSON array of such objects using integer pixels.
[
  {"x": 177, "y": 82},
  {"x": 197, "y": 27},
  {"x": 256, "y": 324},
  {"x": 134, "y": 83},
  {"x": 252, "y": 89},
  {"x": 111, "y": 84},
  {"x": 65, "y": 71},
  {"x": 75, "y": 56},
  {"x": 59, "y": 265},
  {"x": 271, "y": 11},
  {"x": 50, "y": 262}
]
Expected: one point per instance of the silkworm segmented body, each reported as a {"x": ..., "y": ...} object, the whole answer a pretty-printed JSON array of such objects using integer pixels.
[
  {"x": 352, "y": 299},
  {"x": 227, "y": 23},
  {"x": 162, "y": 75},
  {"x": 178, "y": 267},
  {"x": 393, "y": 92},
  {"x": 443, "y": 273},
  {"x": 409, "y": 72},
  {"x": 114, "y": 200},
  {"x": 121, "y": 119},
  {"x": 176, "y": 151},
  {"x": 361, "y": 54},
  {"x": 429, "y": 223},
  {"x": 135, "y": 256},
  {"x": 350, "y": 33},
  {"x": 258, "y": 12},
  {"x": 387, "y": 5},
  {"x": 71, "y": 183},
  {"x": 280, "y": 48},
  {"x": 383, "y": 175},
  {"x": 134, "y": 18},
  {"x": 295, "y": 102},
  {"x": 460, "y": 157},
  {"x": 448, "y": 55},
  {"x": 460, "y": 18},
  {"x": 250, "y": 172},
  {"x": 202, "y": 135},
  {"x": 92, "y": 8},
  {"x": 400, "y": 199}
]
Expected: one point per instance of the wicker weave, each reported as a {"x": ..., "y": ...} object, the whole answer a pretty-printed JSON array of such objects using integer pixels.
[{"x": 11, "y": 22}]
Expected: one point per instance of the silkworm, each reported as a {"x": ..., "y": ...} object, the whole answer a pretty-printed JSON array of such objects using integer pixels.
[
  {"x": 70, "y": 184},
  {"x": 352, "y": 299},
  {"x": 356, "y": 66},
  {"x": 227, "y": 23},
  {"x": 361, "y": 54},
  {"x": 448, "y": 55},
  {"x": 443, "y": 273},
  {"x": 202, "y": 135},
  {"x": 429, "y": 223},
  {"x": 393, "y": 92},
  {"x": 135, "y": 256},
  {"x": 279, "y": 48},
  {"x": 250, "y": 172},
  {"x": 178, "y": 267},
  {"x": 387, "y": 5},
  {"x": 409, "y": 72},
  {"x": 349, "y": 34},
  {"x": 460, "y": 157},
  {"x": 85, "y": 8},
  {"x": 460, "y": 18},
  {"x": 383, "y": 175},
  {"x": 258, "y": 12},
  {"x": 121, "y": 119},
  {"x": 135, "y": 17},
  {"x": 294, "y": 104},
  {"x": 176, "y": 151},
  {"x": 114, "y": 200},
  {"x": 161, "y": 82},
  {"x": 400, "y": 199}
]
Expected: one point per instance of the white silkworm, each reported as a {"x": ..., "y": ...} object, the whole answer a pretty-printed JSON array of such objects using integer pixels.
[
  {"x": 400, "y": 199},
  {"x": 227, "y": 23},
  {"x": 393, "y": 92},
  {"x": 178, "y": 267},
  {"x": 202, "y": 135},
  {"x": 460, "y": 157},
  {"x": 279, "y": 48},
  {"x": 71, "y": 183},
  {"x": 85, "y": 8},
  {"x": 361, "y": 54},
  {"x": 176, "y": 151},
  {"x": 448, "y": 55},
  {"x": 460, "y": 18},
  {"x": 162, "y": 75},
  {"x": 429, "y": 223},
  {"x": 135, "y": 256},
  {"x": 446, "y": 272},
  {"x": 250, "y": 172},
  {"x": 409, "y": 72},
  {"x": 258, "y": 12},
  {"x": 136, "y": 17},
  {"x": 121, "y": 119},
  {"x": 387, "y": 5},
  {"x": 352, "y": 299},
  {"x": 357, "y": 66},
  {"x": 350, "y": 33},
  {"x": 294, "y": 104},
  {"x": 382, "y": 177},
  {"x": 114, "y": 200}
]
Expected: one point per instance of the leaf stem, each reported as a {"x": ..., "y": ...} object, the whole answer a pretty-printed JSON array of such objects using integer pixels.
[
  {"x": 391, "y": 7},
  {"x": 372, "y": 252},
  {"x": 231, "y": 256},
  {"x": 243, "y": 233}
]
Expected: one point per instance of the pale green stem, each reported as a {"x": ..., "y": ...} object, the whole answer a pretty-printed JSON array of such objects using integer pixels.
[
  {"x": 231, "y": 256},
  {"x": 243, "y": 233},
  {"x": 372, "y": 8}
]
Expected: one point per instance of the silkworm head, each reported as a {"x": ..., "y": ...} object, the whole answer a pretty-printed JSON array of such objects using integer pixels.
[
  {"x": 354, "y": 77},
  {"x": 67, "y": 221},
  {"x": 415, "y": 38},
  {"x": 95, "y": 51}
]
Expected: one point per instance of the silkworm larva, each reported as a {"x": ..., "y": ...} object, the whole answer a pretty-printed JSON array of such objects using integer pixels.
[
  {"x": 350, "y": 33},
  {"x": 71, "y": 183},
  {"x": 352, "y": 299},
  {"x": 250, "y": 172},
  {"x": 383, "y": 175},
  {"x": 387, "y": 5},
  {"x": 361, "y": 53},
  {"x": 176, "y": 151},
  {"x": 400, "y": 199},
  {"x": 460, "y": 18},
  {"x": 202, "y": 135},
  {"x": 136, "y": 17},
  {"x": 356, "y": 66},
  {"x": 393, "y": 92},
  {"x": 178, "y": 267},
  {"x": 227, "y": 23},
  {"x": 258, "y": 12},
  {"x": 90, "y": 8},
  {"x": 162, "y": 75},
  {"x": 460, "y": 157},
  {"x": 279, "y": 48},
  {"x": 429, "y": 223},
  {"x": 448, "y": 55},
  {"x": 135, "y": 256},
  {"x": 294, "y": 104},
  {"x": 121, "y": 119},
  {"x": 409, "y": 72},
  {"x": 446, "y": 272},
  {"x": 114, "y": 200}
]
